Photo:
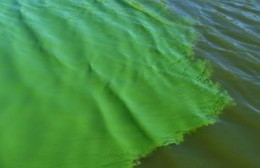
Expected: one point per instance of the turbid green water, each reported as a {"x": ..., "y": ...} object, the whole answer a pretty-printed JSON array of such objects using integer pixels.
[
  {"x": 229, "y": 39},
  {"x": 99, "y": 83}
]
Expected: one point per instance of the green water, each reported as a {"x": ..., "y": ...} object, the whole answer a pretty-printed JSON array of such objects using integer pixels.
[
  {"x": 230, "y": 40},
  {"x": 100, "y": 83}
]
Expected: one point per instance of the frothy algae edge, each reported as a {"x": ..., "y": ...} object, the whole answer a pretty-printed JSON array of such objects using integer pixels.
[
  {"x": 65, "y": 56},
  {"x": 224, "y": 100}
]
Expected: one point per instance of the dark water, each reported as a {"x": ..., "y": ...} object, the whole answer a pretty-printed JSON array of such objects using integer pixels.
[{"x": 230, "y": 41}]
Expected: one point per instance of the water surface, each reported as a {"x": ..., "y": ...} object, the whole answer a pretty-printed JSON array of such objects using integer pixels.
[
  {"x": 229, "y": 39},
  {"x": 97, "y": 83}
]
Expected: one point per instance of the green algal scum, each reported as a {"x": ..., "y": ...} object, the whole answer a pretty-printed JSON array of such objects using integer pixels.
[{"x": 97, "y": 83}]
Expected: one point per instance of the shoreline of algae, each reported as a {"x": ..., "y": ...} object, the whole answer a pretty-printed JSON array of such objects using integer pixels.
[{"x": 98, "y": 83}]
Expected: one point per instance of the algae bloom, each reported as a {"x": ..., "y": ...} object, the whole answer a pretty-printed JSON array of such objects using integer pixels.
[{"x": 97, "y": 83}]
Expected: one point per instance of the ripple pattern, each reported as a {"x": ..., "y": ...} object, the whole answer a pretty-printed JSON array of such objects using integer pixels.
[{"x": 97, "y": 83}]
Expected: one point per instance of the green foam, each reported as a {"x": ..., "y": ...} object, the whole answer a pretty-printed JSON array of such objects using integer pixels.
[{"x": 97, "y": 83}]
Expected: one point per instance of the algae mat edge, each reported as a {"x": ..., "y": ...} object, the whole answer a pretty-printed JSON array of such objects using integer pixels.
[{"x": 97, "y": 83}]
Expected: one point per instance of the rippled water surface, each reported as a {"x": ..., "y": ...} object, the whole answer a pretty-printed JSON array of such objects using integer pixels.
[
  {"x": 229, "y": 39},
  {"x": 103, "y": 82},
  {"x": 97, "y": 83}
]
